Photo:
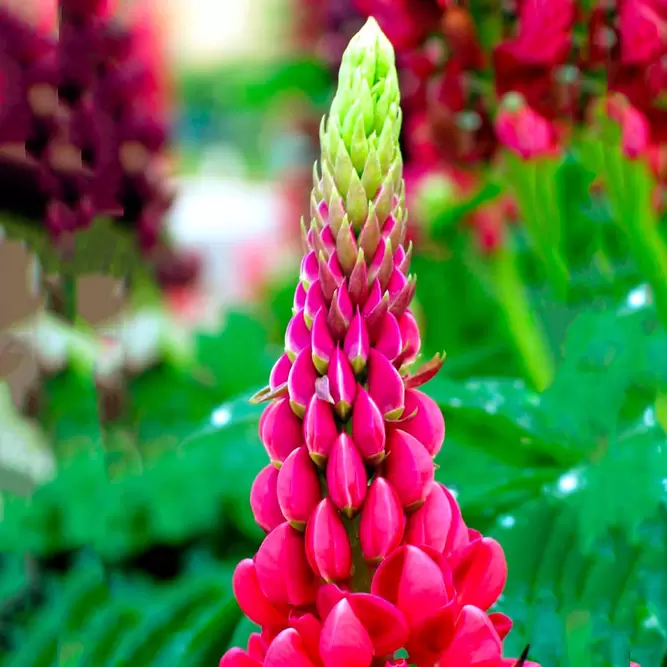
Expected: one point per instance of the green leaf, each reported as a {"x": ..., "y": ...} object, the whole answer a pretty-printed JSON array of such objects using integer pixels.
[
  {"x": 236, "y": 356},
  {"x": 554, "y": 588}
]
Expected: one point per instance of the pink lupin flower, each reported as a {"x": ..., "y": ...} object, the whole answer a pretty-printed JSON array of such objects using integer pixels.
[
  {"x": 385, "y": 386},
  {"x": 314, "y": 302},
  {"x": 297, "y": 336},
  {"x": 264, "y": 499},
  {"x": 425, "y": 421},
  {"x": 282, "y": 569},
  {"x": 280, "y": 372},
  {"x": 409, "y": 468},
  {"x": 342, "y": 383},
  {"x": 523, "y": 130},
  {"x": 382, "y": 521},
  {"x": 357, "y": 343},
  {"x": 252, "y": 600},
  {"x": 346, "y": 476},
  {"x": 388, "y": 341},
  {"x": 298, "y": 488},
  {"x": 280, "y": 431},
  {"x": 323, "y": 345},
  {"x": 287, "y": 649},
  {"x": 480, "y": 572},
  {"x": 415, "y": 582},
  {"x": 406, "y": 573},
  {"x": 410, "y": 337},
  {"x": 320, "y": 430},
  {"x": 327, "y": 544},
  {"x": 301, "y": 382},
  {"x": 368, "y": 429}
]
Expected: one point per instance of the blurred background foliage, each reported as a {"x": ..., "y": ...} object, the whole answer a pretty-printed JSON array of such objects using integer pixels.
[{"x": 127, "y": 465}]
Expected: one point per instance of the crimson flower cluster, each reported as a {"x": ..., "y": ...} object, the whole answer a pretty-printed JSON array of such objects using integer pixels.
[
  {"x": 551, "y": 61},
  {"x": 366, "y": 554},
  {"x": 83, "y": 125}
]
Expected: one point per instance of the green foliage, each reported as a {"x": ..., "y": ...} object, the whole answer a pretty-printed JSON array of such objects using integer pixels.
[{"x": 94, "y": 617}]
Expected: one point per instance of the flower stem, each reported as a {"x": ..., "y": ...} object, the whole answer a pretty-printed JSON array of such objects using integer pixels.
[{"x": 523, "y": 327}]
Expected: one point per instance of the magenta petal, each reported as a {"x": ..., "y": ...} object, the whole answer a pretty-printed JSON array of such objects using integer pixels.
[
  {"x": 282, "y": 568},
  {"x": 384, "y": 623},
  {"x": 374, "y": 298},
  {"x": 385, "y": 386},
  {"x": 358, "y": 282},
  {"x": 340, "y": 313},
  {"x": 344, "y": 640},
  {"x": 409, "y": 469},
  {"x": 299, "y": 298},
  {"x": 297, "y": 336},
  {"x": 473, "y": 629},
  {"x": 368, "y": 429},
  {"x": 301, "y": 382},
  {"x": 322, "y": 342},
  {"x": 357, "y": 344},
  {"x": 320, "y": 430},
  {"x": 427, "y": 424},
  {"x": 252, "y": 600},
  {"x": 481, "y": 576},
  {"x": 342, "y": 383},
  {"x": 287, "y": 649},
  {"x": 298, "y": 488},
  {"x": 382, "y": 264},
  {"x": 264, "y": 499},
  {"x": 327, "y": 544},
  {"x": 382, "y": 521},
  {"x": 309, "y": 269},
  {"x": 410, "y": 336},
  {"x": 280, "y": 372},
  {"x": 430, "y": 525},
  {"x": 314, "y": 302},
  {"x": 388, "y": 340},
  {"x": 281, "y": 430},
  {"x": 237, "y": 657},
  {"x": 346, "y": 476},
  {"x": 502, "y": 624},
  {"x": 413, "y": 582},
  {"x": 430, "y": 639},
  {"x": 329, "y": 280},
  {"x": 328, "y": 596},
  {"x": 309, "y": 628}
]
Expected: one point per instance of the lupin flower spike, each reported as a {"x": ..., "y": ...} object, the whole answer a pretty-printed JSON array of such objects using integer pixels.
[{"x": 366, "y": 553}]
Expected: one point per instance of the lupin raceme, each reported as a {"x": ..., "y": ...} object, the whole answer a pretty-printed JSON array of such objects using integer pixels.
[{"x": 365, "y": 553}]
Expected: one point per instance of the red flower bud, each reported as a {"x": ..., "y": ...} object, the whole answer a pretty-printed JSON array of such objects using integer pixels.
[
  {"x": 368, "y": 430},
  {"x": 427, "y": 423},
  {"x": 342, "y": 383},
  {"x": 327, "y": 544},
  {"x": 280, "y": 431},
  {"x": 298, "y": 488},
  {"x": 301, "y": 382},
  {"x": 322, "y": 343},
  {"x": 357, "y": 344},
  {"x": 282, "y": 568},
  {"x": 385, "y": 386},
  {"x": 252, "y": 600},
  {"x": 346, "y": 476},
  {"x": 409, "y": 468},
  {"x": 297, "y": 336},
  {"x": 320, "y": 430},
  {"x": 264, "y": 499},
  {"x": 382, "y": 521}
]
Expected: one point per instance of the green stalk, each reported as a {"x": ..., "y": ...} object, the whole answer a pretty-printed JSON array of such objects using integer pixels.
[{"x": 523, "y": 327}]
